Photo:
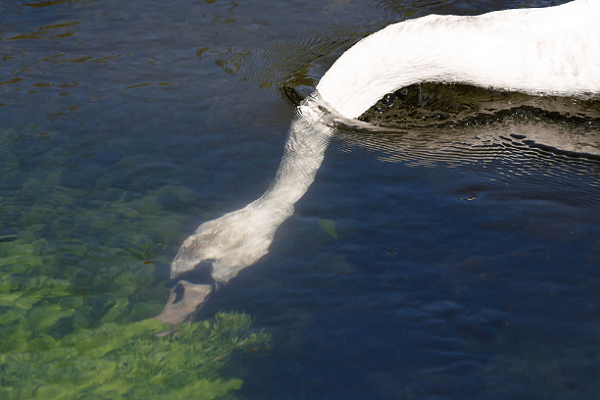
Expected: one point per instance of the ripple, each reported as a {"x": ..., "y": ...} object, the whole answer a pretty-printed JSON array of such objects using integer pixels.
[{"x": 519, "y": 147}]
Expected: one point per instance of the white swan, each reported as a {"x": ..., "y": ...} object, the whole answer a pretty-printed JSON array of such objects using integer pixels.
[{"x": 553, "y": 50}]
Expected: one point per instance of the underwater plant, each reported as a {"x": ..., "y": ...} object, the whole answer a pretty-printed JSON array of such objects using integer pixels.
[
  {"x": 79, "y": 284},
  {"x": 128, "y": 361}
]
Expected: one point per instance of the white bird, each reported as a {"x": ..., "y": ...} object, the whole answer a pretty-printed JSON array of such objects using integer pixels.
[
  {"x": 553, "y": 50},
  {"x": 540, "y": 51}
]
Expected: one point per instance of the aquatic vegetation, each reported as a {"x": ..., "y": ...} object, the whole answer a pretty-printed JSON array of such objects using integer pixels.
[
  {"x": 58, "y": 340},
  {"x": 128, "y": 361},
  {"x": 328, "y": 227},
  {"x": 83, "y": 266}
]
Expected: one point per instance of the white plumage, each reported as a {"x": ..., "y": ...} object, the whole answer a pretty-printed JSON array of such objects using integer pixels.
[{"x": 553, "y": 50}]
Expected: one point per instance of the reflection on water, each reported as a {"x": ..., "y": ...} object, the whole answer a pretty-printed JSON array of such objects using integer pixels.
[
  {"x": 455, "y": 259},
  {"x": 459, "y": 125},
  {"x": 455, "y": 106}
]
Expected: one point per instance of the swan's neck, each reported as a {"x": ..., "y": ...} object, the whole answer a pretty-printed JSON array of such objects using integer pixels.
[
  {"x": 553, "y": 50},
  {"x": 303, "y": 154}
]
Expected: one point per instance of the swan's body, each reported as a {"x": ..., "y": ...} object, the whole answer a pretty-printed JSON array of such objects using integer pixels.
[{"x": 553, "y": 50}]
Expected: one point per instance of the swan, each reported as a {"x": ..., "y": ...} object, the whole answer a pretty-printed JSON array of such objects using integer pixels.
[{"x": 539, "y": 51}]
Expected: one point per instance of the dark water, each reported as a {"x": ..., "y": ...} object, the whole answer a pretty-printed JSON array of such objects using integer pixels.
[{"x": 456, "y": 258}]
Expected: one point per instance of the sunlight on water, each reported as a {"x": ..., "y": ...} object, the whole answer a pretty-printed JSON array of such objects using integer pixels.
[{"x": 453, "y": 255}]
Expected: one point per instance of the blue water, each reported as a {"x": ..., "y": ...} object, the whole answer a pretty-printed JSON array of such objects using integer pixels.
[{"x": 422, "y": 265}]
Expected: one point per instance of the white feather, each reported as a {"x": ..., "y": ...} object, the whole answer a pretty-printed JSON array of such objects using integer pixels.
[{"x": 553, "y": 50}]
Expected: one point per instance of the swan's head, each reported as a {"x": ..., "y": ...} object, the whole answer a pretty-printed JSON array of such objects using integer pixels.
[{"x": 184, "y": 300}]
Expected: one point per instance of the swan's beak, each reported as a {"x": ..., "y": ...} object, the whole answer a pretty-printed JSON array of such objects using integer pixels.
[{"x": 185, "y": 298}]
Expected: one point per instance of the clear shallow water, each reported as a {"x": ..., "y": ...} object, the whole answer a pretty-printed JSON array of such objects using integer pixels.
[{"x": 434, "y": 262}]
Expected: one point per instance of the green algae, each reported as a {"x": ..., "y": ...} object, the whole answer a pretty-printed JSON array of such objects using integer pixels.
[
  {"x": 83, "y": 267},
  {"x": 328, "y": 226},
  {"x": 129, "y": 361}
]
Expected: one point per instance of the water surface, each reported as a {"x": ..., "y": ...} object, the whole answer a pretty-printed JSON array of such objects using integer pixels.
[{"x": 454, "y": 258}]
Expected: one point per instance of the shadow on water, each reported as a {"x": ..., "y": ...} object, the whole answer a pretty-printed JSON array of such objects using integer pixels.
[{"x": 454, "y": 259}]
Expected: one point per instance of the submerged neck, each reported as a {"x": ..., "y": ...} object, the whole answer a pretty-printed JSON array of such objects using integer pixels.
[{"x": 303, "y": 154}]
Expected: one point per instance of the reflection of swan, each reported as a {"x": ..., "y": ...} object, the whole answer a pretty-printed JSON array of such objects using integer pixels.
[{"x": 553, "y": 50}]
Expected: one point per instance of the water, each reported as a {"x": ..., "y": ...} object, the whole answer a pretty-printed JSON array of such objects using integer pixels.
[{"x": 446, "y": 261}]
